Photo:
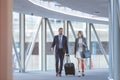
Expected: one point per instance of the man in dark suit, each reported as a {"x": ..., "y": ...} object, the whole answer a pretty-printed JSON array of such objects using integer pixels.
[{"x": 61, "y": 47}]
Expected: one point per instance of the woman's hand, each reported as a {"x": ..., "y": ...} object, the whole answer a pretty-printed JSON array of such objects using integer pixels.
[
  {"x": 51, "y": 49},
  {"x": 84, "y": 44}
]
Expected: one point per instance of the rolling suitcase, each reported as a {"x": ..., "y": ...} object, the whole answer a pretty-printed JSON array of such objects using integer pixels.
[{"x": 69, "y": 68}]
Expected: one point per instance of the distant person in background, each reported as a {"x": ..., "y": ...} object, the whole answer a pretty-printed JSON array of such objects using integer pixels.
[
  {"x": 80, "y": 44},
  {"x": 61, "y": 47}
]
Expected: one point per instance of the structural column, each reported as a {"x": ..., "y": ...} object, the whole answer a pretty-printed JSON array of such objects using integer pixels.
[
  {"x": 66, "y": 28},
  {"x": 43, "y": 44},
  {"x": 116, "y": 37},
  {"x": 88, "y": 36},
  {"x": 6, "y": 39},
  {"x": 40, "y": 49},
  {"x": 22, "y": 41},
  {"x": 111, "y": 48}
]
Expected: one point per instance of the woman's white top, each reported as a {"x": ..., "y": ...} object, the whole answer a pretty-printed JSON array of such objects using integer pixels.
[{"x": 80, "y": 48}]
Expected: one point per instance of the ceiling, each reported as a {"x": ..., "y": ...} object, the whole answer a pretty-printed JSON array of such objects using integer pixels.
[{"x": 96, "y": 7}]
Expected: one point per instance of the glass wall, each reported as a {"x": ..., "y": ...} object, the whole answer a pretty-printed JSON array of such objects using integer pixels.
[{"x": 31, "y": 26}]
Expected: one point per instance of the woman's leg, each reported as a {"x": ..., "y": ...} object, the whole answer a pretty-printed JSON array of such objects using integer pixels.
[
  {"x": 78, "y": 67},
  {"x": 82, "y": 67},
  {"x": 78, "y": 64}
]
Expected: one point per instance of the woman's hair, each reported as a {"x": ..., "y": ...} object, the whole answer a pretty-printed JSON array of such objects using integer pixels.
[{"x": 80, "y": 32}]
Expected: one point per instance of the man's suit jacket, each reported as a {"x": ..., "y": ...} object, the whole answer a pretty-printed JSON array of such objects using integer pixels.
[
  {"x": 77, "y": 45},
  {"x": 64, "y": 44}
]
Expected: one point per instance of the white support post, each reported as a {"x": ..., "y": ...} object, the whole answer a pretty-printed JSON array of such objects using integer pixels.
[
  {"x": 88, "y": 38},
  {"x": 43, "y": 44},
  {"x": 40, "y": 48},
  {"x": 116, "y": 36},
  {"x": 66, "y": 28},
  {"x": 22, "y": 41},
  {"x": 111, "y": 48}
]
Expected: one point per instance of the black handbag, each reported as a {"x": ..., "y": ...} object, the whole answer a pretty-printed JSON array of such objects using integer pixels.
[
  {"x": 82, "y": 55},
  {"x": 87, "y": 53}
]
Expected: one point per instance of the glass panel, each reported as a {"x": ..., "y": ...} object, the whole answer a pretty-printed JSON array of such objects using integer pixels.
[
  {"x": 79, "y": 26},
  {"x": 31, "y": 25},
  {"x": 102, "y": 32},
  {"x": 56, "y": 24},
  {"x": 71, "y": 36},
  {"x": 98, "y": 58},
  {"x": 49, "y": 34},
  {"x": 94, "y": 43},
  {"x": 16, "y": 37}
]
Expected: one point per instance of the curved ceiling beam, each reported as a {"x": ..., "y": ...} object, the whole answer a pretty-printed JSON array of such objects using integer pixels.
[{"x": 24, "y": 6}]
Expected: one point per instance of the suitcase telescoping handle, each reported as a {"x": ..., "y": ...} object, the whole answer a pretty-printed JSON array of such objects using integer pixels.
[{"x": 67, "y": 58}]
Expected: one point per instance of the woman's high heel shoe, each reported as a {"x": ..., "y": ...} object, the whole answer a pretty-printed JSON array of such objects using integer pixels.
[{"x": 83, "y": 74}]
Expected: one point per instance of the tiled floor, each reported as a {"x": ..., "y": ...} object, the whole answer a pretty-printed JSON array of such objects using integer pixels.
[{"x": 95, "y": 74}]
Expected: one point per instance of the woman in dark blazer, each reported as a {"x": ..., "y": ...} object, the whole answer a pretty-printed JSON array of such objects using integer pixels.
[{"x": 80, "y": 44}]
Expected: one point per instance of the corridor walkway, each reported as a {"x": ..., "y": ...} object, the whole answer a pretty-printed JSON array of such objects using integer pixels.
[{"x": 95, "y": 74}]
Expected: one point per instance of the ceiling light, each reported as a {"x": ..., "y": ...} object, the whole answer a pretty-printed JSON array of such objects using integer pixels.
[{"x": 97, "y": 12}]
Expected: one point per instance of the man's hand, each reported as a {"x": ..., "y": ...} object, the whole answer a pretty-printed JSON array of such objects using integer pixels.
[
  {"x": 67, "y": 55},
  {"x": 51, "y": 49}
]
